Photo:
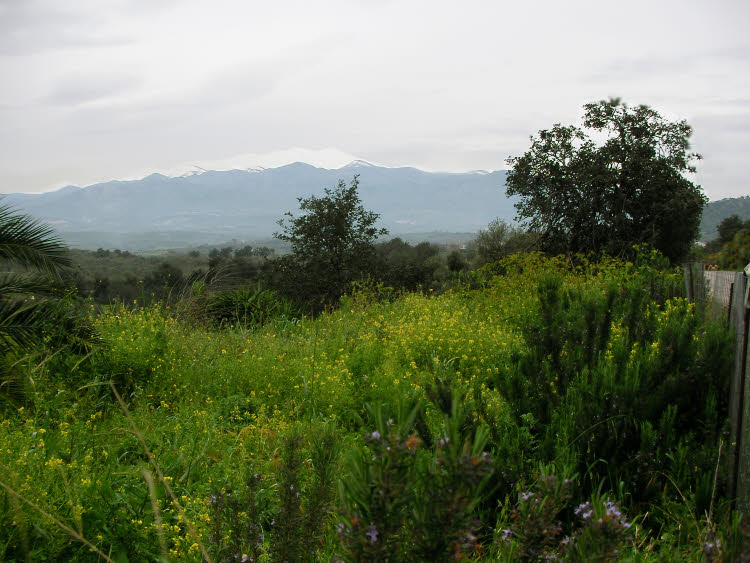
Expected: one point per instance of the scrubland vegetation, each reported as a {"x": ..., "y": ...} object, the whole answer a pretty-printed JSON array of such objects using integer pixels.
[{"x": 540, "y": 408}]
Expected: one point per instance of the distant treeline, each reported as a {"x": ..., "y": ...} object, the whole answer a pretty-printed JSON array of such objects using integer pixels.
[{"x": 107, "y": 275}]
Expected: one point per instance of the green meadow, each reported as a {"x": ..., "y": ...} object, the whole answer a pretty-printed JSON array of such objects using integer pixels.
[{"x": 540, "y": 409}]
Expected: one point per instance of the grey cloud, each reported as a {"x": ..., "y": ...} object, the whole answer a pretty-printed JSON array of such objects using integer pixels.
[
  {"x": 641, "y": 67},
  {"x": 33, "y": 26},
  {"x": 254, "y": 79},
  {"x": 631, "y": 68},
  {"x": 722, "y": 141},
  {"x": 718, "y": 125},
  {"x": 76, "y": 90}
]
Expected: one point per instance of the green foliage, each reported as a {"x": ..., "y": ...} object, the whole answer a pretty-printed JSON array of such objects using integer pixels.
[
  {"x": 730, "y": 226},
  {"x": 581, "y": 196},
  {"x": 404, "y": 500},
  {"x": 735, "y": 254},
  {"x": 552, "y": 368},
  {"x": 501, "y": 239},
  {"x": 39, "y": 258},
  {"x": 37, "y": 317},
  {"x": 287, "y": 538},
  {"x": 30, "y": 243},
  {"x": 244, "y": 307},
  {"x": 405, "y": 266},
  {"x": 238, "y": 519},
  {"x": 114, "y": 275},
  {"x": 284, "y": 514},
  {"x": 332, "y": 244}
]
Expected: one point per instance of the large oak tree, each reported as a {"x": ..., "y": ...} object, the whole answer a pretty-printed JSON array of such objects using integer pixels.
[{"x": 620, "y": 180}]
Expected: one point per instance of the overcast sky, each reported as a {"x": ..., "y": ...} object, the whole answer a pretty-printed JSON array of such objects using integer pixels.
[{"x": 94, "y": 90}]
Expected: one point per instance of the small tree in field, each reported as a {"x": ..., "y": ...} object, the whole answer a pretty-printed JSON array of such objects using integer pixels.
[
  {"x": 499, "y": 240},
  {"x": 332, "y": 244},
  {"x": 632, "y": 187}
]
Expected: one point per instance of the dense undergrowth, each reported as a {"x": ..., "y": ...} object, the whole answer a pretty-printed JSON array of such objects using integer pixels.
[{"x": 542, "y": 409}]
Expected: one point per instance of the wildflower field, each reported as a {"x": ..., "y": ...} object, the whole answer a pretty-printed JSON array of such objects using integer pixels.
[{"x": 541, "y": 409}]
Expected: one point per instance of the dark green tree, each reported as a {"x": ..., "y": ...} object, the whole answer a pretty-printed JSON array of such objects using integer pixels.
[
  {"x": 332, "y": 244},
  {"x": 403, "y": 266},
  {"x": 586, "y": 195},
  {"x": 730, "y": 226}
]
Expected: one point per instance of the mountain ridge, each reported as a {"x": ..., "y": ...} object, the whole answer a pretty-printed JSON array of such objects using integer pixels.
[{"x": 248, "y": 203}]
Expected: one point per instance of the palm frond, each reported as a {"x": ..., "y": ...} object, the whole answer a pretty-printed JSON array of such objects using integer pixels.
[
  {"x": 20, "y": 324},
  {"x": 25, "y": 283},
  {"x": 11, "y": 385},
  {"x": 31, "y": 243}
]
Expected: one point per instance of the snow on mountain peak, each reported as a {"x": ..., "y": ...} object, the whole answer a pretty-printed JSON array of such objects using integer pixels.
[{"x": 359, "y": 164}]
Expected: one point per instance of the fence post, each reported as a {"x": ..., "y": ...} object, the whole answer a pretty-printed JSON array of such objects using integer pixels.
[
  {"x": 742, "y": 457},
  {"x": 688, "y": 269}
]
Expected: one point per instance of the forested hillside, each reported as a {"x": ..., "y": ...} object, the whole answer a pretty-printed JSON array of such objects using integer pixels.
[{"x": 716, "y": 211}]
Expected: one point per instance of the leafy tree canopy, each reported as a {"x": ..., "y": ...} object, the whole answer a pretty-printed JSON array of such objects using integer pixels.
[
  {"x": 618, "y": 181},
  {"x": 332, "y": 242}
]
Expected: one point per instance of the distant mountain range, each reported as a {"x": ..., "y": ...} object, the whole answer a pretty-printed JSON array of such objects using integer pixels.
[
  {"x": 212, "y": 207},
  {"x": 247, "y": 203}
]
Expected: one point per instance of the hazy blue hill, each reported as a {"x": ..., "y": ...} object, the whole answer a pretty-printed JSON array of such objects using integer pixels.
[
  {"x": 718, "y": 210},
  {"x": 246, "y": 203}
]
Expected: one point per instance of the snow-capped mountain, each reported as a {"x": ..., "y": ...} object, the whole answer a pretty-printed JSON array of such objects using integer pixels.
[{"x": 249, "y": 202}]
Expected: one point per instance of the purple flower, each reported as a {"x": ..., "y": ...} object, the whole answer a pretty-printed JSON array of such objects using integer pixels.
[
  {"x": 375, "y": 435},
  {"x": 340, "y": 528},
  {"x": 507, "y": 532},
  {"x": 372, "y": 533},
  {"x": 212, "y": 500},
  {"x": 526, "y": 496}
]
